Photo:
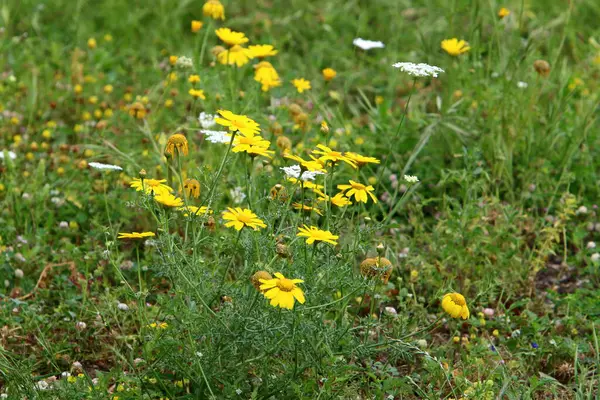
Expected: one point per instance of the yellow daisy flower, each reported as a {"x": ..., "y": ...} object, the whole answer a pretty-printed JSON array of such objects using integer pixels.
[
  {"x": 254, "y": 151},
  {"x": 244, "y": 143},
  {"x": 150, "y": 186},
  {"x": 359, "y": 191},
  {"x": 314, "y": 234},
  {"x": 328, "y": 154},
  {"x": 503, "y": 12},
  {"x": 266, "y": 75},
  {"x": 230, "y": 37},
  {"x": 329, "y": 74},
  {"x": 168, "y": 200},
  {"x": 455, "y": 305},
  {"x": 304, "y": 207},
  {"x": 197, "y": 93},
  {"x": 196, "y": 26},
  {"x": 301, "y": 84},
  {"x": 240, "y": 123},
  {"x": 135, "y": 235},
  {"x": 262, "y": 50},
  {"x": 237, "y": 55},
  {"x": 455, "y": 47},
  {"x": 239, "y": 218},
  {"x": 282, "y": 291},
  {"x": 214, "y": 9},
  {"x": 309, "y": 165},
  {"x": 361, "y": 160}
]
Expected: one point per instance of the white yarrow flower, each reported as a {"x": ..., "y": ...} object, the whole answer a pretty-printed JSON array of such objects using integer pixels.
[
  {"x": 237, "y": 195},
  {"x": 184, "y": 62},
  {"x": 411, "y": 179},
  {"x": 111, "y": 167},
  {"x": 206, "y": 120},
  {"x": 368, "y": 44},
  {"x": 216, "y": 136},
  {"x": 11, "y": 154},
  {"x": 294, "y": 172},
  {"x": 420, "y": 69}
]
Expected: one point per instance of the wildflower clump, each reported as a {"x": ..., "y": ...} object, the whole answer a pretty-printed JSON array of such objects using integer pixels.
[{"x": 455, "y": 305}]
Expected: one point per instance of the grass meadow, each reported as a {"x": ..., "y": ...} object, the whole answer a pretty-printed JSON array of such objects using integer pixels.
[{"x": 299, "y": 199}]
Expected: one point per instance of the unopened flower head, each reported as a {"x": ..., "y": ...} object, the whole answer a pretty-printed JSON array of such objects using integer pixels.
[
  {"x": 368, "y": 44},
  {"x": 420, "y": 69}
]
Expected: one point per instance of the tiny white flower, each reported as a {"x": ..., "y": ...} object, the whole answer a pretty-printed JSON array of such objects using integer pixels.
[
  {"x": 237, "y": 195},
  {"x": 217, "y": 136},
  {"x": 101, "y": 166},
  {"x": 238, "y": 391},
  {"x": 206, "y": 120},
  {"x": 522, "y": 85},
  {"x": 63, "y": 225},
  {"x": 411, "y": 178},
  {"x": 11, "y": 154},
  {"x": 199, "y": 354},
  {"x": 19, "y": 273},
  {"x": 420, "y": 69},
  {"x": 65, "y": 374},
  {"x": 595, "y": 257},
  {"x": 19, "y": 257},
  {"x": 391, "y": 311},
  {"x": 42, "y": 385},
  {"x": 123, "y": 307},
  {"x": 80, "y": 326},
  {"x": 367, "y": 44},
  {"x": 591, "y": 245},
  {"x": 581, "y": 210}
]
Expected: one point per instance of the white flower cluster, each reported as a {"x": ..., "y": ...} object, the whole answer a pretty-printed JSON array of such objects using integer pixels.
[
  {"x": 101, "y": 166},
  {"x": 411, "y": 179},
  {"x": 216, "y": 136},
  {"x": 368, "y": 44},
  {"x": 11, "y": 154},
  {"x": 294, "y": 172},
  {"x": 206, "y": 120},
  {"x": 184, "y": 62},
  {"x": 420, "y": 69}
]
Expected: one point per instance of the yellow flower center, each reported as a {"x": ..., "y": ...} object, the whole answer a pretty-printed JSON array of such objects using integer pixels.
[
  {"x": 245, "y": 218},
  {"x": 285, "y": 284},
  {"x": 458, "y": 299}
]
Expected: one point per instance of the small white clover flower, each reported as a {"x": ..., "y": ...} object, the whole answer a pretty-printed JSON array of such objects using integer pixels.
[
  {"x": 420, "y": 69},
  {"x": 238, "y": 391},
  {"x": 123, "y": 307},
  {"x": 184, "y": 62},
  {"x": 411, "y": 178},
  {"x": 368, "y": 44},
  {"x": 522, "y": 85},
  {"x": 102, "y": 166},
  {"x": 206, "y": 120},
  {"x": 217, "y": 136}
]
